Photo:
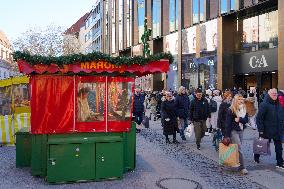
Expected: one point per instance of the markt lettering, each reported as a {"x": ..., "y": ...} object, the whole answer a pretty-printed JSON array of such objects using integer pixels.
[{"x": 98, "y": 65}]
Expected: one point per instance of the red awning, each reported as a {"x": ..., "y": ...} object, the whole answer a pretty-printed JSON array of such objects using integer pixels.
[{"x": 95, "y": 67}]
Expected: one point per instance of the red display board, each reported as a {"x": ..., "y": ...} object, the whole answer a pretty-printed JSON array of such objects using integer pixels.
[{"x": 67, "y": 104}]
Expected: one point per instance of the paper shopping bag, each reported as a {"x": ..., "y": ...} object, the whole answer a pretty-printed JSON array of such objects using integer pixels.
[{"x": 229, "y": 155}]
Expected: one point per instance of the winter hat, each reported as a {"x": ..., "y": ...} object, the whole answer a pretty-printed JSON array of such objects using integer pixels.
[
  {"x": 216, "y": 92},
  {"x": 208, "y": 92}
]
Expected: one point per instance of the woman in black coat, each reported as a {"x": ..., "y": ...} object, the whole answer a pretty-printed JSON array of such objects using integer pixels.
[
  {"x": 224, "y": 106},
  {"x": 169, "y": 118}
]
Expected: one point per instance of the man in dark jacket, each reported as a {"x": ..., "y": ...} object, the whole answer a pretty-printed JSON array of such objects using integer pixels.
[
  {"x": 270, "y": 124},
  {"x": 198, "y": 113},
  {"x": 138, "y": 108},
  {"x": 182, "y": 110}
]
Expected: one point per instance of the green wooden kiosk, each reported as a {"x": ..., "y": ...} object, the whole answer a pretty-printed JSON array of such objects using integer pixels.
[{"x": 81, "y": 115}]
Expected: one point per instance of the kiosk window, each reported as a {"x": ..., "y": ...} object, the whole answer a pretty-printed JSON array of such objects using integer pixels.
[
  {"x": 90, "y": 102},
  {"x": 119, "y": 101},
  {"x": 5, "y": 101},
  {"x": 21, "y": 95}
]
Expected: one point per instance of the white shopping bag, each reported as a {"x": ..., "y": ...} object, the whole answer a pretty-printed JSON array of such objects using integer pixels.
[{"x": 189, "y": 131}]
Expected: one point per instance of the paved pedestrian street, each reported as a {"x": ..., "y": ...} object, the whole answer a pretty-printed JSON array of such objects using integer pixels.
[{"x": 161, "y": 165}]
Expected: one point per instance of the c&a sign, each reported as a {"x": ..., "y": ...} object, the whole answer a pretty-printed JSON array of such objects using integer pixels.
[{"x": 258, "y": 61}]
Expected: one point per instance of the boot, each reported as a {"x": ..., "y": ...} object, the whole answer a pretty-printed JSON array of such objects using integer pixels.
[
  {"x": 175, "y": 141},
  {"x": 168, "y": 141}
]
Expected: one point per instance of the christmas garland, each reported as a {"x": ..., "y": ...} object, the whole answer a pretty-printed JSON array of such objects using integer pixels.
[{"x": 94, "y": 56}]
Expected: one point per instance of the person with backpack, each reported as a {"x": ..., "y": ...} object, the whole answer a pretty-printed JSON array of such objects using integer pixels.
[
  {"x": 214, "y": 105},
  {"x": 182, "y": 108},
  {"x": 198, "y": 114}
]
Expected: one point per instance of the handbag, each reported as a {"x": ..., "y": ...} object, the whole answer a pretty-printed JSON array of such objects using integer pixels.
[
  {"x": 261, "y": 146},
  {"x": 145, "y": 121}
]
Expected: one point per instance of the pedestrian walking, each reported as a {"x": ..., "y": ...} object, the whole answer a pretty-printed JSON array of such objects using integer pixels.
[
  {"x": 198, "y": 114},
  {"x": 153, "y": 108},
  {"x": 215, "y": 103},
  {"x": 138, "y": 108},
  {"x": 208, "y": 97},
  {"x": 270, "y": 124},
  {"x": 251, "y": 110},
  {"x": 169, "y": 118},
  {"x": 236, "y": 120},
  {"x": 281, "y": 97},
  {"x": 224, "y": 106},
  {"x": 182, "y": 108}
]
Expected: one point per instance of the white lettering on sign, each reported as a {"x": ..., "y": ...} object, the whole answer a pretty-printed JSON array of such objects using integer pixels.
[
  {"x": 256, "y": 62},
  {"x": 192, "y": 65},
  {"x": 210, "y": 62}
]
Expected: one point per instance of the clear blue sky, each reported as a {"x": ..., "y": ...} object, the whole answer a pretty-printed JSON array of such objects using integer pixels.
[{"x": 16, "y": 16}]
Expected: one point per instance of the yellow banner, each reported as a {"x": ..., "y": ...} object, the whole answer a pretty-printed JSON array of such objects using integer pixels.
[
  {"x": 20, "y": 80},
  {"x": 6, "y": 130},
  {"x": 5, "y": 82},
  {"x": 9, "y": 126}
]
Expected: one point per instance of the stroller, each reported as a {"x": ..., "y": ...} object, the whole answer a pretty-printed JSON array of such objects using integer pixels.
[{"x": 217, "y": 138}]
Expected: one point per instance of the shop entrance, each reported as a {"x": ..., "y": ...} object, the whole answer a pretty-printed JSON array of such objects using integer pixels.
[{"x": 265, "y": 80}]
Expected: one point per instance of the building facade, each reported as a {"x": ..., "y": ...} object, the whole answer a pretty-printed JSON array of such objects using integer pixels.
[
  {"x": 6, "y": 59},
  {"x": 215, "y": 43},
  {"x": 6, "y": 48},
  {"x": 90, "y": 34}
]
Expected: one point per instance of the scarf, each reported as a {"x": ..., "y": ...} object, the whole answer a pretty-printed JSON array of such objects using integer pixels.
[{"x": 241, "y": 113}]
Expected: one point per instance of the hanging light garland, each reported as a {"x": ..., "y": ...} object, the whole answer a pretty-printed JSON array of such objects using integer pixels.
[{"x": 94, "y": 56}]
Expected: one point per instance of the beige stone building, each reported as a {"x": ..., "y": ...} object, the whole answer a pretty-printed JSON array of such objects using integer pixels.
[{"x": 6, "y": 48}]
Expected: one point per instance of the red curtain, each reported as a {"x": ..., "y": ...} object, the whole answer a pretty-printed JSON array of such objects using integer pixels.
[{"x": 52, "y": 104}]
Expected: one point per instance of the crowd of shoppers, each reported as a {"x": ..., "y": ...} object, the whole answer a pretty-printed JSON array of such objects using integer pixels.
[{"x": 228, "y": 111}]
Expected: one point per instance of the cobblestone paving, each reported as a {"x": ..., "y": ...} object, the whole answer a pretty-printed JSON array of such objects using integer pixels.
[{"x": 209, "y": 170}]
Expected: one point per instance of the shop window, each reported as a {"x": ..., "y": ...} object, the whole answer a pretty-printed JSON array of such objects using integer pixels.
[
  {"x": 260, "y": 32},
  {"x": 90, "y": 102},
  {"x": 233, "y": 4},
  {"x": 195, "y": 11},
  {"x": 141, "y": 18},
  {"x": 224, "y": 6},
  {"x": 201, "y": 12},
  {"x": 156, "y": 18}
]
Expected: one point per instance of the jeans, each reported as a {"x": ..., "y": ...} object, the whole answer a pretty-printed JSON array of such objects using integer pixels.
[
  {"x": 183, "y": 125},
  {"x": 139, "y": 117},
  {"x": 174, "y": 136},
  {"x": 278, "y": 151},
  {"x": 237, "y": 138}
]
